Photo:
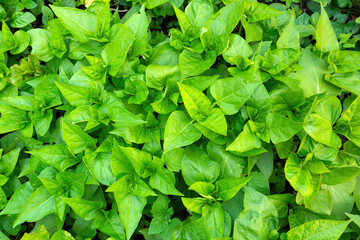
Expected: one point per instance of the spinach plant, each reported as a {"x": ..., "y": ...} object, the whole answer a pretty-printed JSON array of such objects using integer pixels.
[{"x": 179, "y": 119}]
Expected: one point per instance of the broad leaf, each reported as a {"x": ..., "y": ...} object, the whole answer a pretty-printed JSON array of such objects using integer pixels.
[
  {"x": 179, "y": 131},
  {"x": 318, "y": 229},
  {"x": 259, "y": 218},
  {"x": 81, "y": 24},
  {"x": 325, "y": 36}
]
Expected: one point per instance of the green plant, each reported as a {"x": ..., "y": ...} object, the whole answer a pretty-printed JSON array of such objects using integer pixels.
[{"x": 176, "y": 119}]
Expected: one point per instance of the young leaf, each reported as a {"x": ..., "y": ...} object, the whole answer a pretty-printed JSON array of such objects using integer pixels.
[
  {"x": 164, "y": 181},
  {"x": 205, "y": 189},
  {"x": 47, "y": 92},
  {"x": 8, "y": 162},
  {"x": 348, "y": 123},
  {"x": 246, "y": 141},
  {"x": 122, "y": 117},
  {"x": 232, "y": 93},
  {"x": 138, "y": 25},
  {"x": 109, "y": 223},
  {"x": 114, "y": 54},
  {"x": 194, "y": 204},
  {"x": 196, "y": 103},
  {"x": 325, "y": 36},
  {"x": 57, "y": 42},
  {"x": 161, "y": 215},
  {"x": 74, "y": 181},
  {"x": 227, "y": 188},
  {"x": 158, "y": 76},
  {"x": 22, "y": 40},
  {"x": 179, "y": 131},
  {"x": 76, "y": 139},
  {"x": 130, "y": 208},
  {"x": 132, "y": 184},
  {"x": 84, "y": 208},
  {"x": 226, "y": 19},
  {"x": 260, "y": 11},
  {"x": 12, "y": 119},
  {"x": 319, "y": 121},
  {"x": 102, "y": 29},
  {"x": 8, "y": 39},
  {"x": 58, "y": 156},
  {"x": 186, "y": 26},
  {"x": 75, "y": 95},
  {"x": 139, "y": 159},
  {"x": 279, "y": 59},
  {"x": 238, "y": 48},
  {"x": 99, "y": 165},
  {"x": 281, "y": 128},
  {"x": 42, "y": 121},
  {"x": 290, "y": 37}
]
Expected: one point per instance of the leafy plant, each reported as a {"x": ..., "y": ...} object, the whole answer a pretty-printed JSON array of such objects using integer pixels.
[{"x": 172, "y": 119}]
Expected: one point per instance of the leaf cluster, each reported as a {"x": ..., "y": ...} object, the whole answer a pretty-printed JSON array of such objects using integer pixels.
[{"x": 173, "y": 119}]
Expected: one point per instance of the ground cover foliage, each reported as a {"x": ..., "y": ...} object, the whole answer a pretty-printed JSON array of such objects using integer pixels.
[{"x": 173, "y": 119}]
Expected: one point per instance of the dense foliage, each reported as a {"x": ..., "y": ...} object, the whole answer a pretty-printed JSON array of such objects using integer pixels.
[{"x": 173, "y": 119}]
